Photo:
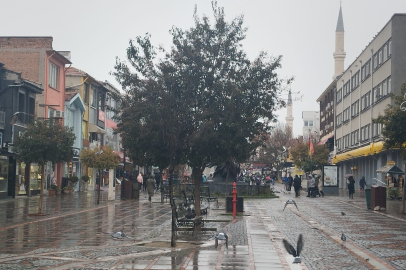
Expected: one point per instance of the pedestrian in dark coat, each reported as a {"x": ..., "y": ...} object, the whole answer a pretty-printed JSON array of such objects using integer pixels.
[
  {"x": 150, "y": 187},
  {"x": 296, "y": 185},
  {"x": 351, "y": 187},
  {"x": 290, "y": 182}
]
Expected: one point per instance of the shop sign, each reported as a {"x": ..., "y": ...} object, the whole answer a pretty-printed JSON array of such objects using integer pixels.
[
  {"x": 330, "y": 176},
  {"x": 3, "y": 157}
]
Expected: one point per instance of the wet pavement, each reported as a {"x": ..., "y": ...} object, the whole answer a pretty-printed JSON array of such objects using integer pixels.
[{"x": 76, "y": 234}]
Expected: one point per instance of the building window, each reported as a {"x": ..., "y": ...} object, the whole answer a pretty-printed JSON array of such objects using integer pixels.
[
  {"x": 101, "y": 100},
  {"x": 380, "y": 57},
  {"x": 368, "y": 68},
  {"x": 338, "y": 96},
  {"x": 385, "y": 52},
  {"x": 376, "y": 130},
  {"x": 53, "y": 75},
  {"x": 338, "y": 144},
  {"x": 346, "y": 114},
  {"x": 338, "y": 120},
  {"x": 390, "y": 48},
  {"x": 375, "y": 61},
  {"x": 365, "y": 133},
  {"x": 93, "y": 97},
  {"x": 354, "y": 137},
  {"x": 389, "y": 85},
  {"x": 86, "y": 93},
  {"x": 384, "y": 88},
  {"x": 355, "y": 108}
]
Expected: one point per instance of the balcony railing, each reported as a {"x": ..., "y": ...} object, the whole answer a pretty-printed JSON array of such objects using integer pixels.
[{"x": 2, "y": 119}]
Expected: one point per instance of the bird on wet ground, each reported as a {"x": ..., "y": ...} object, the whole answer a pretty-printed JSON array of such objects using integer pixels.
[
  {"x": 295, "y": 252},
  {"x": 290, "y": 201},
  {"x": 343, "y": 237}
]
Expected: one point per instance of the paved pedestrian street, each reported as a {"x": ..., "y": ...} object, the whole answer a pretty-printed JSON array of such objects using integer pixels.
[{"x": 77, "y": 234}]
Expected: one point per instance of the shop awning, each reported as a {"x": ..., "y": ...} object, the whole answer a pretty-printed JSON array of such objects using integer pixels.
[
  {"x": 325, "y": 139},
  {"x": 390, "y": 169},
  {"x": 364, "y": 151}
]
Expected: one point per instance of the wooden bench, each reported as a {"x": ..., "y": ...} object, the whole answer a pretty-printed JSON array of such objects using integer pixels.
[
  {"x": 205, "y": 196},
  {"x": 185, "y": 218}
]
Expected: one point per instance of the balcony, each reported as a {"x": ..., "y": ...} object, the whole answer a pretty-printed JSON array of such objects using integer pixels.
[{"x": 2, "y": 119}]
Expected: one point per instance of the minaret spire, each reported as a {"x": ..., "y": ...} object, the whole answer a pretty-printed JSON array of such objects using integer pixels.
[
  {"x": 289, "y": 117},
  {"x": 339, "y": 54}
]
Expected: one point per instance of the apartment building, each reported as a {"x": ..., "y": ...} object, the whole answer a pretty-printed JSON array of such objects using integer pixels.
[{"x": 362, "y": 93}]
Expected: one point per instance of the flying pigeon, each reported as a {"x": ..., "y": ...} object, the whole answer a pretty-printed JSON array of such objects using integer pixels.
[
  {"x": 342, "y": 213},
  {"x": 220, "y": 236},
  {"x": 343, "y": 237},
  {"x": 290, "y": 201},
  {"x": 295, "y": 252}
]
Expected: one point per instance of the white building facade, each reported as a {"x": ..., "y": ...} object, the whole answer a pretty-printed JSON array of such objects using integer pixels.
[
  {"x": 362, "y": 93},
  {"x": 311, "y": 125}
]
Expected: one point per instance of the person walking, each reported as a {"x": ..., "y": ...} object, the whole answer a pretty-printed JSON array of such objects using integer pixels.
[
  {"x": 362, "y": 184},
  {"x": 310, "y": 185},
  {"x": 351, "y": 187},
  {"x": 290, "y": 182},
  {"x": 296, "y": 185},
  {"x": 157, "y": 179},
  {"x": 150, "y": 187},
  {"x": 139, "y": 180}
]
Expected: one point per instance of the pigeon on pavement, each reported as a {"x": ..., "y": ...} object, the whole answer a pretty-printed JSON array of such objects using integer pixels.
[
  {"x": 343, "y": 237},
  {"x": 342, "y": 213},
  {"x": 290, "y": 201},
  {"x": 221, "y": 236},
  {"x": 295, "y": 252}
]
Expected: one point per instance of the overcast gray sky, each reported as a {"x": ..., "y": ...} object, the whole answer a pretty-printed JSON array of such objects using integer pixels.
[{"x": 302, "y": 31}]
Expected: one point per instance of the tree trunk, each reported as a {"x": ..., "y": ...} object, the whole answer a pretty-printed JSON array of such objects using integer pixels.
[
  {"x": 173, "y": 227},
  {"x": 98, "y": 188},
  {"x": 197, "y": 176},
  {"x": 226, "y": 192}
]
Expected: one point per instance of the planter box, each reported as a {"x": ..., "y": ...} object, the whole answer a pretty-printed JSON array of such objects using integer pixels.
[{"x": 51, "y": 192}]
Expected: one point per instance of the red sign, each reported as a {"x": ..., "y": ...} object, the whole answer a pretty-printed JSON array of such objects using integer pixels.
[{"x": 101, "y": 115}]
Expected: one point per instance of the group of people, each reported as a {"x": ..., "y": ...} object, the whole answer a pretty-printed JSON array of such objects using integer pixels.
[{"x": 351, "y": 186}]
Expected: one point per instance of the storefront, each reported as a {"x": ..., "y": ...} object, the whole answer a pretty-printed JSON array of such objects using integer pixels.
[{"x": 24, "y": 185}]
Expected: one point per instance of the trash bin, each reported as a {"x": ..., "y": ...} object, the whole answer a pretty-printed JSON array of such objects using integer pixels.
[
  {"x": 135, "y": 190},
  {"x": 378, "y": 196},
  {"x": 229, "y": 204},
  {"x": 368, "y": 197},
  {"x": 127, "y": 189}
]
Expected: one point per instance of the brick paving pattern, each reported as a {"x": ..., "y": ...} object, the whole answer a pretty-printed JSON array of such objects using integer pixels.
[{"x": 77, "y": 235}]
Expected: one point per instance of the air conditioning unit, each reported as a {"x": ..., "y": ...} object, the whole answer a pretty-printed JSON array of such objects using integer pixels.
[{"x": 59, "y": 114}]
